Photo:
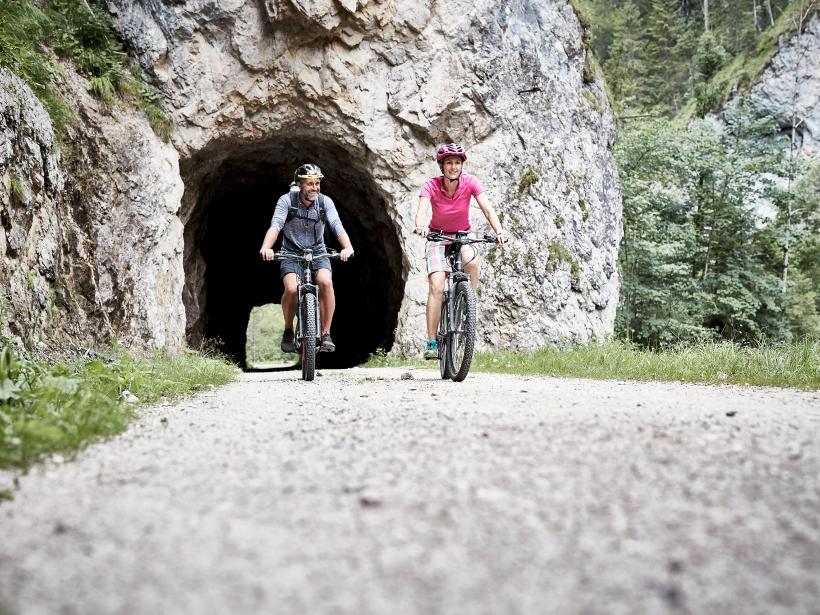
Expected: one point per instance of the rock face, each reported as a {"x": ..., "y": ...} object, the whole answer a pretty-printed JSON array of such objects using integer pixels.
[
  {"x": 91, "y": 246},
  {"x": 366, "y": 89},
  {"x": 790, "y": 87}
]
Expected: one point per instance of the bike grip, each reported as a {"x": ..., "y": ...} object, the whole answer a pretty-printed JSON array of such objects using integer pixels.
[{"x": 489, "y": 237}]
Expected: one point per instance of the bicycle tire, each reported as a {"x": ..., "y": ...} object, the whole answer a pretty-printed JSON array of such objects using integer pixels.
[
  {"x": 308, "y": 347},
  {"x": 461, "y": 344},
  {"x": 443, "y": 363}
]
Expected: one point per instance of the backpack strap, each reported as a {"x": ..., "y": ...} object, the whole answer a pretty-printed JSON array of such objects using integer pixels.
[{"x": 293, "y": 208}]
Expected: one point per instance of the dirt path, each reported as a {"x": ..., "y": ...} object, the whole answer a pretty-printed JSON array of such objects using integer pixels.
[{"x": 363, "y": 492}]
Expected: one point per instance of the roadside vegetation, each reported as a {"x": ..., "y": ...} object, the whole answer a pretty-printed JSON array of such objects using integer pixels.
[
  {"x": 787, "y": 365},
  {"x": 33, "y": 37},
  {"x": 59, "y": 408}
]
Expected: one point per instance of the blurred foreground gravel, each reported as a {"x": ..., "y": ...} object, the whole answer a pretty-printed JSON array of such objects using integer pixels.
[{"x": 375, "y": 491}]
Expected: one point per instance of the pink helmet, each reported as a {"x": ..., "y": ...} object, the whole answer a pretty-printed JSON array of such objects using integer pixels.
[{"x": 451, "y": 149}]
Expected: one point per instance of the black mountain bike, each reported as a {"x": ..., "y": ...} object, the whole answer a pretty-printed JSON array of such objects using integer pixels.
[
  {"x": 308, "y": 319},
  {"x": 456, "y": 329}
]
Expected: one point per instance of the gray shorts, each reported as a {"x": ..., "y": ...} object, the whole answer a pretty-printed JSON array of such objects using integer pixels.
[{"x": 294, "y": 266}]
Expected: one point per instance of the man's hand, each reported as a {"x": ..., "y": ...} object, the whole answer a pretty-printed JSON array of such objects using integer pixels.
[
  {"x": 420, "y": 230},
  {"x": 266, "y": 254},
  {"x": 346, "y": 253}
]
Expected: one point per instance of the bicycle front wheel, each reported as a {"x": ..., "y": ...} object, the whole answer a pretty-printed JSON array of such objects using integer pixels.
[
  {"x": 308, "y": 347},
  {"x": 443, "y": 361},
  {"x": 461, "y": 344}
]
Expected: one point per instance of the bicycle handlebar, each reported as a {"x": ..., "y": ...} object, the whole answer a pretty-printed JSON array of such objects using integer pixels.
[
  {"x": 301, "y": 257},
  {"x": 439, "y": 236}
]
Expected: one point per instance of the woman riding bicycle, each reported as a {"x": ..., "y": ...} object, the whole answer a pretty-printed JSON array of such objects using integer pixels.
[{"x": 449, "y": 195}]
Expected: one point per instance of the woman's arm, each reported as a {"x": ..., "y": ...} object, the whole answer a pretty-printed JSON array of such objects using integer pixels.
[
  {"x": 492, "y": 217},
  {"x": 421, "y": 215}
]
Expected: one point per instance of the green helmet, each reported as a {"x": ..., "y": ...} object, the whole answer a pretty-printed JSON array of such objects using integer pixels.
[{"x": 307, "y": 171}]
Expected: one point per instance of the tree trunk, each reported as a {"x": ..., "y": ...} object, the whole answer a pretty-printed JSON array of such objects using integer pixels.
[
  {"x": 754, "y": 16},
  {"x": 768, "y": 4},
  {"x": 705, "y": 15}
]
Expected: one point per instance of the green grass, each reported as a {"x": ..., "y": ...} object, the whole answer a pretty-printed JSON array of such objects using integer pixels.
[
  {"x": 31, "y": 39},
  {"x": 794, "y": 365},
  {"x": 61, "y": 408}
]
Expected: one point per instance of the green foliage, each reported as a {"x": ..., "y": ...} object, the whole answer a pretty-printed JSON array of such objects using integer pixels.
[
  {"x": 528, "y": 178},
  {"x": 584, "y": 209},
  {"x": 559, "y": 254},
  {"x": 592, "y": 100},
  {"x": 22, "y": 28},
  {"x": 698, "y": 260},
  {"x": 81, "y": 32},
  {"x": 18, "y": 189},
  {"x": 265, "y": 327},
  {"x": 657, "y": 57},
  {"x": 60, "y": 408}
]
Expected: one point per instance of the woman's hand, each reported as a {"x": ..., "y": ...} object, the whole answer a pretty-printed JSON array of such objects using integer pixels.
[{"x": 421, "y": 230}]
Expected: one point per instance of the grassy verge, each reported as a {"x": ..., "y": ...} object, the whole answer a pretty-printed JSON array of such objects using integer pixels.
[
  {"x": 792, "y": 365},
  {"x": 61, "y": 408}
]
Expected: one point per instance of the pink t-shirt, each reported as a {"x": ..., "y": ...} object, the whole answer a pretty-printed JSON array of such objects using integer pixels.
[{"x": 451, "y": 214}]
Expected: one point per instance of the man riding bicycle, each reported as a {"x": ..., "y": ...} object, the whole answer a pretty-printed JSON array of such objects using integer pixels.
[
  {"x": 301, "y": 216},
  {"x": 449, "y": 195}
]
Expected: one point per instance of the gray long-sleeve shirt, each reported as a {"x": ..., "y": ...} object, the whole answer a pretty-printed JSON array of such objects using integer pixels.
[{"x": 305, "y": 230}]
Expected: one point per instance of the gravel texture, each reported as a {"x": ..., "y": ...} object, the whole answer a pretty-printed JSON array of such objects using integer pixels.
[{"x": 391, "y": 491}]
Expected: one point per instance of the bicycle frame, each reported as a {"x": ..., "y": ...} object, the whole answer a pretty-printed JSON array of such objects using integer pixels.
[{"x": 305, "y": 286}]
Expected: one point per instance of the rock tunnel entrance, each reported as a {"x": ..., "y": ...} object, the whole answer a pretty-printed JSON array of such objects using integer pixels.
[{"x": 232, "y": 197}]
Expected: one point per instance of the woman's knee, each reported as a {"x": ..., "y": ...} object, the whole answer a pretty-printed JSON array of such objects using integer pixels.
[{"x": 436, "y": 283}]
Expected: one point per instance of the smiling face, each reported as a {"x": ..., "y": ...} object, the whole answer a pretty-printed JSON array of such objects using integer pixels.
[
  {"x": 451, "y": 167},
  {"x": 309, "y": 189}
]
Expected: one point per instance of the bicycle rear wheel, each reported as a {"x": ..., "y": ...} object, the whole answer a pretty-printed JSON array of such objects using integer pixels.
[
  {"x": 308, "y": 347},
  {"x": 443, "y": 362},
  {"x": 461, "y": 344}
]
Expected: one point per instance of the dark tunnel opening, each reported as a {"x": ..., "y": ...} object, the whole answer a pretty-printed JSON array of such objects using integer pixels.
[{"x": 234, "y": 209}]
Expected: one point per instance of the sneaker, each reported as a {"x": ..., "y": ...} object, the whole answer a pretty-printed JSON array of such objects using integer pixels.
[
  {"x": 327, "y": 344},
  {"x": 431, "y": 352},
  {"x": 288, "y": 343}
]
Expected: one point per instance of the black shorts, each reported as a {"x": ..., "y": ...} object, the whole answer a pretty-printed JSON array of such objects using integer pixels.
[{"x": 294, "y": 266}]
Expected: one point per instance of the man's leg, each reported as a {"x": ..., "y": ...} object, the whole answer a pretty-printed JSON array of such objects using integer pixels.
[
  {"x": 289, "y": 311},
  {"x": 327, "y": 300}
]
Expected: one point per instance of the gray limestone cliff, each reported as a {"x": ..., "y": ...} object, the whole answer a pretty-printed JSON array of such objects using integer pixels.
[
  {"x": 366, "y": 89},
  {"x": 789, "y": 87}
]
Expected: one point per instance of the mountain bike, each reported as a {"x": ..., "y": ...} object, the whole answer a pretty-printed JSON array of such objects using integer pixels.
[
  {"x": 456, "y": 329},
  {"x": 308, "y": 329}
]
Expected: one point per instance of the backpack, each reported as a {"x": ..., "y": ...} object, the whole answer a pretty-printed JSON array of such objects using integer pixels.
[{"x": 293, "y": 208}]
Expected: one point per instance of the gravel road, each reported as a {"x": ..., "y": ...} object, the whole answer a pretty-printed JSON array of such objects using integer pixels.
[{"x": 391, "y": 491}]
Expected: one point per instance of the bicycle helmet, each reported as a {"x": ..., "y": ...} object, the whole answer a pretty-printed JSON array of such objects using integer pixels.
[
  {"x": 451, "y": 149},
  {"x": 308, "y": 171}
]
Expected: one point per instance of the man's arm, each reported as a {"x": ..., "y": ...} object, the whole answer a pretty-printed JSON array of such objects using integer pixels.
[
  {"x": 492, "y": 217},
  {"x": 266, "y": 251},
  {"x": 276, "y": 224},
  {"x": 421, "y": 215},
  {"x": 332, "y": 218}
]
